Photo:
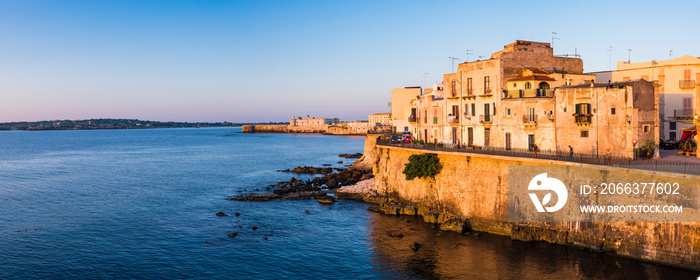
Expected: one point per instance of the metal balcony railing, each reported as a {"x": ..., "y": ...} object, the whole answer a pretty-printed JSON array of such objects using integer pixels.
[
  {"x": 453, "y": 119},
  {"x": 485, "y": 119},
  {"x": 529, "y": 93},
  {"x": 530, "y": 119},
  {"x": 686, "y": 84},
  {"x": 683, "y": 113},
  {"x": 487, "y": 92},
  {"x": 412, "y": 118},
  {"x": 582, "y": 119}
]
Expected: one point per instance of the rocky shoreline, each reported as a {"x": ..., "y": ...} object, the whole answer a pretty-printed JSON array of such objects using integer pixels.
[{"x": 316, "y": 188}]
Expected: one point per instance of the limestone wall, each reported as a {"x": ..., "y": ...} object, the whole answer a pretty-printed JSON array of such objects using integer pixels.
[
  {"x": 475, "y": 187},
  {"x": 270, "y": 128}
]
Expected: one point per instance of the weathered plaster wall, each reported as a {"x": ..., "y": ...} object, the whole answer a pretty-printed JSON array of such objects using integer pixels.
[
  {"x": 261, "y": 128},
  {"x": 475, "y": 187}
]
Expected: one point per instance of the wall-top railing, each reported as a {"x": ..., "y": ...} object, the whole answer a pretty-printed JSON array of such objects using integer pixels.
[
  {"x": 601, "y": 159},
  {"x": 686, "y": 84},
  {"x": 683, "y": 113}
]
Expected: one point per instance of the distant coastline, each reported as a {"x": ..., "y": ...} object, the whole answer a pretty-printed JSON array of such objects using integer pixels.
[{"x": 114, "y": 124}]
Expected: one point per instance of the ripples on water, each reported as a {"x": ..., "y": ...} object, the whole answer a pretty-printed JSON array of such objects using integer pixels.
[{"x": 123, "y": 204}]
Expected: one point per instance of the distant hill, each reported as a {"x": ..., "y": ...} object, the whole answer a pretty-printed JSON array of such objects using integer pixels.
[{"x": 112, "y": 124}]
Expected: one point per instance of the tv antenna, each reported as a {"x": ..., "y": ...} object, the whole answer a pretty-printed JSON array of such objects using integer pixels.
[
  {"x": 422, "y": 80},
  {"x": 554, "y": 38},
  {"x": 468, "y": 53},
  {"x": 628, "y": 55},
  {"x": 453, "y": 63},
  {"x": 610, "y": 50},
  {"x": 670, "y": 54}
]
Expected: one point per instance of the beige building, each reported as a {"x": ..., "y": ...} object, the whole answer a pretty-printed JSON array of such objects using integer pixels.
[
  {"x": 380, "y": 118},
  {"x": 311, "y": 124},
  {"x": 524, "y": 96},
  {"x": 401, "y": 113},
  {"x": 429, "y": 109},
  {"x": 676, "y": 81},
  {"x": 592, "y": 118},
  {"x": 475, "y": 92}
]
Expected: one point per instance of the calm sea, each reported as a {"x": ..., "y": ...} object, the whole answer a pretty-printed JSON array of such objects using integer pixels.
[{"x": 123, "y": 204}]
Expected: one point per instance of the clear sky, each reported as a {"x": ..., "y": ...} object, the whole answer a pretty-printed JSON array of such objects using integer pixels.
[{"x": 245, "y": 61}]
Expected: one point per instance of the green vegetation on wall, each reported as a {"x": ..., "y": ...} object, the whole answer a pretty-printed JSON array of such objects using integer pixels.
[{"x": 422, "y": 166}]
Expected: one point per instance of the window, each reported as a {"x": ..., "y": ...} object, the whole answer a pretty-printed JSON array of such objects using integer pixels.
[
  {"x": 646, "y": 128},
  {"x": 584, "y": 133},
  {"x": 507, "y": 140},
  {"x": 515, "y": 84},
  {"x": 405, "y": 128},
  {"x": 470, "y": 134},
  {"x": 487, "y": 137},
  {"x": 425, "y": 116},
  {"x": 473, "y": 109},
  {"x": 612, "y": 111},
  {"x": 487, "y": 84},
  {"x": 686, "y": 74},
  {"x": 469, "y": 84},
  {"x": 672, "y": 126},
  {"x": 672, "y": 135},
  {"x": 454, "y": 88},
  {"x": 455, "y": 110},
  {"x": 528, "y": 85},
  {"x": 582, "y": 108},
  {"x": 508, "y": 112}
]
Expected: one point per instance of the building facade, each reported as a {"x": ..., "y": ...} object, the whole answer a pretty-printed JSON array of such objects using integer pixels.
[
  {"x": 676, "y": 81},
  {"x": 401, "y": 109},
  {"x": 380, "y": 118}
]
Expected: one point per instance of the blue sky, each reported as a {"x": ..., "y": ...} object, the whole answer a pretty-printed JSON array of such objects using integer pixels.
[{"x": 245, "y": 61}]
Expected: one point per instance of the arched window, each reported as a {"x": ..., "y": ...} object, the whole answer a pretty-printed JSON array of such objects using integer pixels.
[
  {"x": 528, "y": 85},
  {"x": 543, "y": 85}
]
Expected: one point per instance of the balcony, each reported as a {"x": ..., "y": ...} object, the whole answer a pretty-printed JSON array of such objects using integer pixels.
[
  {"x": 686, "y": 84},
  {"x": 583, "y": 120},
  {"x": 485, "y": 119},
  {"x": 683, "y": 113},
  {"x": 470, "y": 93},
  {"x": 412, "y": 118},
  {"x": 487, "y": 93},
  {"x": 529, "y": 93},
  {"x": 530, "y": 120},
  {"x": 453, "y": 94},
  {"x": 453, "y": 119}
]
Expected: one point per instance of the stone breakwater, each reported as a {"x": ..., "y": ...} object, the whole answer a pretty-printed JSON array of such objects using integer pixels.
[{"x": 471, "y": 193}]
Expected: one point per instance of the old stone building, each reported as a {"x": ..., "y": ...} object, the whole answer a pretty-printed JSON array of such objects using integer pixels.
[
  {"x": 380, "y": 118},
  {"x": 592, "y": 118},
  {"x": 430, "y": 115},
  {"x": 311, "y": 124},
  {"x": 475, "y": 92}
]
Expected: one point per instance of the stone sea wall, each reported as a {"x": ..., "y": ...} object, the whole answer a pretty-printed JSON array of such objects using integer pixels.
[{"x": 471, "y": 193}]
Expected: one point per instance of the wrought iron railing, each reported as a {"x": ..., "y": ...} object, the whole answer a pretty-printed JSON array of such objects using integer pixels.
[
  {"x": 616, "y": 161},
  {"x": 530, "y": 119},
  {"x": 485, "y": 119}
]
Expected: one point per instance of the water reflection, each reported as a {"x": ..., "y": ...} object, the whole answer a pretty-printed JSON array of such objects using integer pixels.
[{"x": 449, "y": 255}]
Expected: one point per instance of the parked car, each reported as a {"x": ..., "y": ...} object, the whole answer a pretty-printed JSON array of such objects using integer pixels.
[
  {"x": 407, "y": 138},
  {"x": 669, "y": 145},
  {"x": 395, "y": 139}
]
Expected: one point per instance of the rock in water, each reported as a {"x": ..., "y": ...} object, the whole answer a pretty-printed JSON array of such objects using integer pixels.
[
  {"x": 254, "y": 227},
  {"x": 326, "y": 200},
  {"x": 221, "y": 214},
  {"x": 233, "y": 234},
  {"x": 307, "y": 211},
  {"x": 416, "y": 246},
  {"x": 238, "y": 213}
]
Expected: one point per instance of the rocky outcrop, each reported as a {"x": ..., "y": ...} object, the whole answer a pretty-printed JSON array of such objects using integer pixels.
[
  {"x": 311, "y": 170},
  {"x": 326, "y": 200},
  {"x": 289, "y": 196},
  {"x": 355, "y": 155}
]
